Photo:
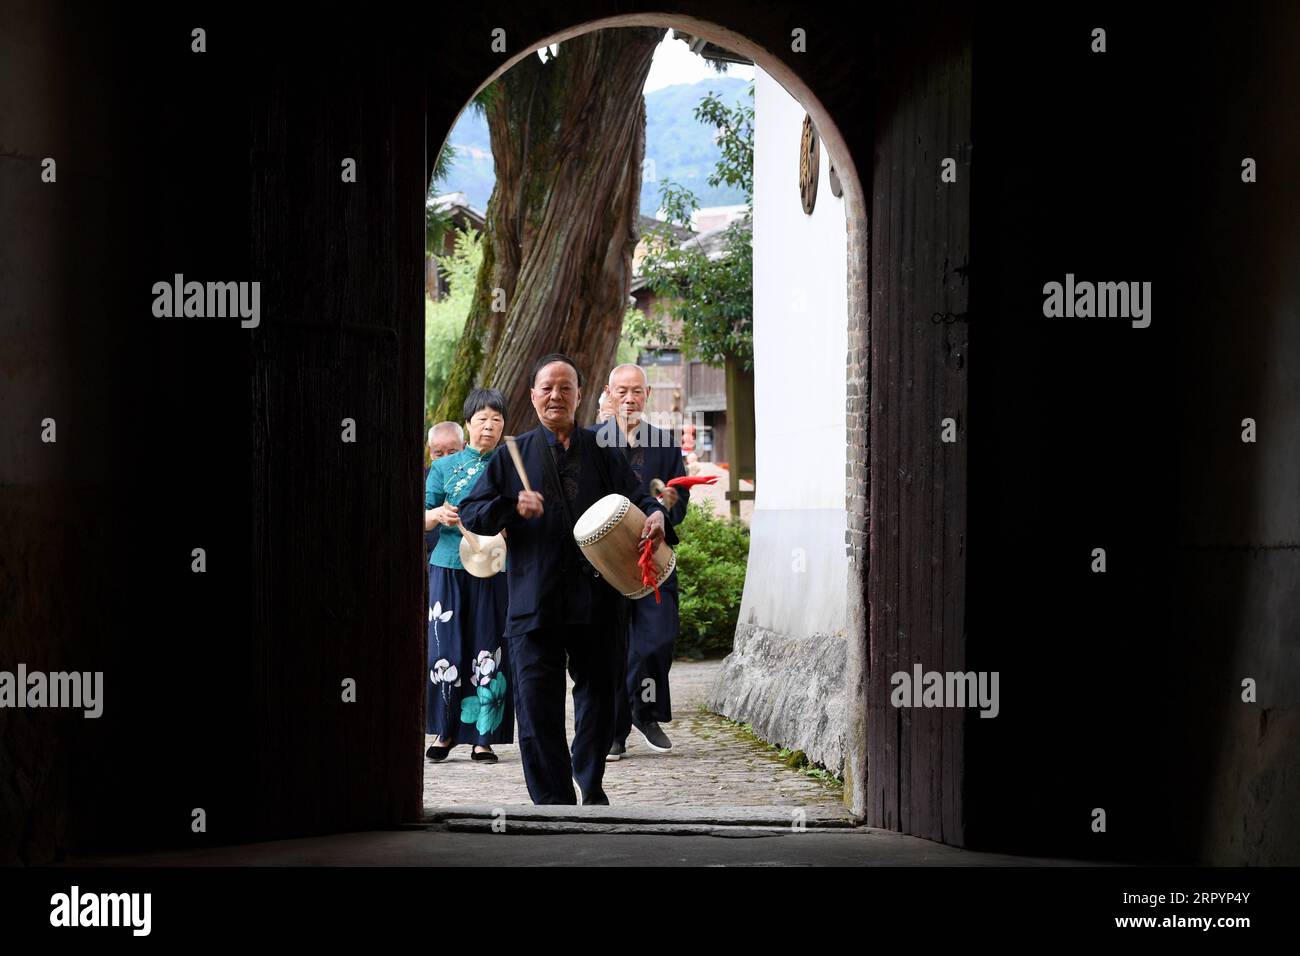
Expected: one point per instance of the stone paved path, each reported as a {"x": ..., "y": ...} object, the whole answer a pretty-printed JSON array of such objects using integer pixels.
[{"x": 711, "y": 764}]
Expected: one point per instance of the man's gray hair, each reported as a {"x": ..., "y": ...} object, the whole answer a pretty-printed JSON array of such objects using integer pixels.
[
  {"x": 444, "y": 427},
  {"x": 617, "y": 368}
]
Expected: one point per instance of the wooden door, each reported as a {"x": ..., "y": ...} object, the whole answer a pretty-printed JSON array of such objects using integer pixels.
[
  {"x": 920, "y": 229},
  {"x": 336, "y": 537}
]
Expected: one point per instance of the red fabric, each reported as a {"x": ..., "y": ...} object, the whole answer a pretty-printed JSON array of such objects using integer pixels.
[
  {"x": 646, "y": 561},
  {"x": 647, "y": 564},
  {"x": 686, "y": 481}
]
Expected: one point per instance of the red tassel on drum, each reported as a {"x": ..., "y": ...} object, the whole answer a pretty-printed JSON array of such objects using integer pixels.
[
  {"x": 647, "y": 564},
  {"x": 686, "y": 481}
]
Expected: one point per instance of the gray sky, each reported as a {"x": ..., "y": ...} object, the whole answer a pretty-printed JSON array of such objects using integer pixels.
[{"x": 674, "y": 63}]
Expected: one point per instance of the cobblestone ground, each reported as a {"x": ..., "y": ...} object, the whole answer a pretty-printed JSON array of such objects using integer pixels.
[{"x": 711, "y": 764}]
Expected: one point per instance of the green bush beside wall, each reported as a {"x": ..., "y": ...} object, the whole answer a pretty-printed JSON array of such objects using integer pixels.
[{"x": 711, "y": 560}]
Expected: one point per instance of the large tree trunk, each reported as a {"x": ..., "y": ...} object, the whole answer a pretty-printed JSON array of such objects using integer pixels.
[{"x": 568, "y": 138}]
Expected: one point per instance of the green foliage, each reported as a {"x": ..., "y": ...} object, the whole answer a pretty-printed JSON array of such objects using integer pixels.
[
  {"x": 444, "y": 321},
  {"x": 794, "y": 759},
  {"x": 711, "y": 559},
  {"x": 437, "y": 223},
  {"x": 714, "y": 299},
  {"x": 735, "y": 128},
  {"x": 629, "y": 345}
]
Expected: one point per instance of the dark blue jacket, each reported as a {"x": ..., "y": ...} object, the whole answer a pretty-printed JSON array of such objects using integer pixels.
[
  {"x": 548, "y": 582},
  {"x": 657, "y": 455}
]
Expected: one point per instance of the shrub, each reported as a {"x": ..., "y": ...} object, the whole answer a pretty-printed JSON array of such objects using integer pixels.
[
  {"x": 711, "y": 559},
  {"x": 444, "y": 321}
]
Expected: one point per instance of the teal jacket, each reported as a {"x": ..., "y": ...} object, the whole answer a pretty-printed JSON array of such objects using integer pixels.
[{"x": 450, "y": 480}]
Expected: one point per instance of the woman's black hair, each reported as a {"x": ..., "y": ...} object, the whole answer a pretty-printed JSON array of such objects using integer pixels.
[{"x": 481, "y": 398}]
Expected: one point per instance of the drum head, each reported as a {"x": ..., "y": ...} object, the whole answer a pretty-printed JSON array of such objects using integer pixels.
[{"x": 596, "y": 521}]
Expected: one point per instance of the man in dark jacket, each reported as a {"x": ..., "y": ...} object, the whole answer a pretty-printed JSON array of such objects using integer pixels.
[
  {"x": 558, "y": 608},
  {"x": 651, "y": 632}
]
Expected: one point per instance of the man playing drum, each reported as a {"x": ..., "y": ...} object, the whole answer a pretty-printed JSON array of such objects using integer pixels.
[{"x": 558, "y": 607}]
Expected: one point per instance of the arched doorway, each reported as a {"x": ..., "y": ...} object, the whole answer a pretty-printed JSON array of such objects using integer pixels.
[
  {"x": 855, "y": 373},
  {"x": 796, "y": 591},
  {"x": 350, "y": 347}
]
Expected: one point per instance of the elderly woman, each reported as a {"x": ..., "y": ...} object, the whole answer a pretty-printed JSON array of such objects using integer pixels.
[{"x": 468, "y": 697}]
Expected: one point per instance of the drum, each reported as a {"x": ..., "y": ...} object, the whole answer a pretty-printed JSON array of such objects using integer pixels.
[
  {"x": 482, "y": 555},
  {"x": 609, "y": 534}
]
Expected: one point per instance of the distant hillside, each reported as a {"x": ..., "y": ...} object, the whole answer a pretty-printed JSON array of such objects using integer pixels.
[{"x": 682, "y": 147}]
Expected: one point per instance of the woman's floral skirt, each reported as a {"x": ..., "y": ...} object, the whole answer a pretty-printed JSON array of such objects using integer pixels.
[{"x": 469, "y": 696}]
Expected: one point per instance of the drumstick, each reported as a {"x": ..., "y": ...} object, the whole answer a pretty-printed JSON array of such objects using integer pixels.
[{"x": 519, "y": 462}]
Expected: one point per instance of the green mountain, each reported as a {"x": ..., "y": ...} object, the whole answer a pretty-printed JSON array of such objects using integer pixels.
[{"x": 681, "y": 147}]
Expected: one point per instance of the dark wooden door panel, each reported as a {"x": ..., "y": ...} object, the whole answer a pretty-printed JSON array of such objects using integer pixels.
[
  {"x": 920, "y": 230},
  {"x": 336, "y": 541}
]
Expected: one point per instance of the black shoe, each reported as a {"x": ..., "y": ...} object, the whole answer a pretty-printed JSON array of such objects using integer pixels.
[
  {"x": 616, "y": 751},
  {"x": 438, "y": 754},
  {"x": 600, "y": 800},
  {"x": 654, "y": 736},
  {"x": 484, "y": 755}
]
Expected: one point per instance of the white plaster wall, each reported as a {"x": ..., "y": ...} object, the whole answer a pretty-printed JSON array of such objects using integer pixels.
[{"x": 800, "y": 349}]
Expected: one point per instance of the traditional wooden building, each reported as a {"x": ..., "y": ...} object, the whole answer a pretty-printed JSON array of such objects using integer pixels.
[
  {"x": 455, "y": 208},
  {"x": 685, "y": 391}
]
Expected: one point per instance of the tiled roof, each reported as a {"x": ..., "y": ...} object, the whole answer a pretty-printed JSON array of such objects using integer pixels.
[{"x": 712, "y": 242}]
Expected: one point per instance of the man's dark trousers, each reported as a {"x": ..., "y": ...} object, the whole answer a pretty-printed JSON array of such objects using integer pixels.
[
  {"x": 649, "y": 633},
  {"x": 593, "y": 657}
]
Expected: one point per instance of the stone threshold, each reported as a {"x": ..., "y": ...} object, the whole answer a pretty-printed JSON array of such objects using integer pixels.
[{"x": 602, "y": 819}]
